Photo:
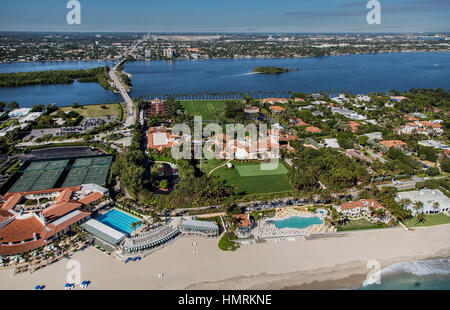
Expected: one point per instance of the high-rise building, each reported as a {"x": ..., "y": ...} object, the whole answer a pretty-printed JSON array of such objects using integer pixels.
[
  {"x": 169, "y": 52},
  {"x": 148, "y": 53}
]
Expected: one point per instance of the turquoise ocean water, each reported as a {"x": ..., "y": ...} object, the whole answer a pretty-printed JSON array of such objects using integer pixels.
[{"x": 417, "y": 275}]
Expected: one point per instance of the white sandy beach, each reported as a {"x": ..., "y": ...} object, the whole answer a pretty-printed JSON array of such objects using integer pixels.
[{"x": 262, "y": 266}]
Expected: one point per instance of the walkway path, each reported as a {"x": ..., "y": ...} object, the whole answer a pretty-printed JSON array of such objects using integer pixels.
[{"x": 218, "y": 167}]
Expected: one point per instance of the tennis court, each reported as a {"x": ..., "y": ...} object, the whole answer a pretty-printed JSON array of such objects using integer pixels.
[
  {"x": 45, "y": 174},
  {"x": 253, "y": 170},
  {"x": 36, "y": 180},
  {"x": 89, "y": 170},
  {"x": 47, "y": 165}
]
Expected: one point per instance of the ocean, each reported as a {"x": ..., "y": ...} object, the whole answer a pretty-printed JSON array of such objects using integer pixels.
[{"x": 431, "y": 274}]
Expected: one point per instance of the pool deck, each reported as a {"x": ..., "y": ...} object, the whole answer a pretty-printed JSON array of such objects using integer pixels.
[
  {"x": 267, "y": 228},
  {"x": 119, "y": 223}
]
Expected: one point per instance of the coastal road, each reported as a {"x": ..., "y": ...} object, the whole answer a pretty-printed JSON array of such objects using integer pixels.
[
  {"x": 403, "y": 185},
  {"x": 116, "y": 80}
]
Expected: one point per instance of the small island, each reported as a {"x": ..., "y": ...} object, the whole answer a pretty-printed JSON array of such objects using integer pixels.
[{"x": 270, "y": 70}]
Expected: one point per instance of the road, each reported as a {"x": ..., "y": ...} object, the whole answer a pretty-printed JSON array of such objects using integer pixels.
[
  {"x": 115, "y": 79},
  {"x": 403, "y": 185}
]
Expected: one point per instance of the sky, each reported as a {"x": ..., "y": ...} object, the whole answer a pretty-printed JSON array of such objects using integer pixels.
[{"x": 226, "y": 16}]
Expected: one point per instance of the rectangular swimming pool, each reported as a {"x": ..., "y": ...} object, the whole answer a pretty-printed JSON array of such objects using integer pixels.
[
  {"x": 298, "y": 222},
  {"x": 118, "y": 220}
]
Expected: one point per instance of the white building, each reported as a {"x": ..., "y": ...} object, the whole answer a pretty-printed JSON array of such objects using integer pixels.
[
  {"x": 434, "y": 201},
  {"x": 168, "y": 52},
  {"x": 19, "y": 112},
  {"x": 333, "y": 143}
]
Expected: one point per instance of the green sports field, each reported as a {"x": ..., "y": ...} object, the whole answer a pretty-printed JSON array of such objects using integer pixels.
[
  {"x": 253, "y": 170},
  {"x": 255, "y": 181},
  {"x": 208, "y": 110}
]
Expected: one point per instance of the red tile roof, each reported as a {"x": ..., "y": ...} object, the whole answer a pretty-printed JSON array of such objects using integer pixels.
[
  {"x": 391, "y": 143},
  {"x": 363, "y": 203},
  {"x": 313, "y": 129},
  {"x": 243, "y": 220},
  {"x": 60, "y": 209},
  {"x": 11, "y": 201},
  {"x": 91, "y": 198},
  {"x": 20, "y": 229},
  {"x": 276, "y": 108},
  {"x": 6, "y": 249}
]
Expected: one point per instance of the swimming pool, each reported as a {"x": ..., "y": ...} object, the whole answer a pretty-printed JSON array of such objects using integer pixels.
[
  {"x": 297, "y": 222},
  {"x": 118, "y": 220}
]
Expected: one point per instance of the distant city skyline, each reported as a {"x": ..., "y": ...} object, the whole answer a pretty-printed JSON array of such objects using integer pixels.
[{"x": 230, "y": 16}]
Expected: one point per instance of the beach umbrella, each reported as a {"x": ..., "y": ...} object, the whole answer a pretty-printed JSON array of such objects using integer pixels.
[
  {"x": 68, "y": 286},
  {"x": 37, "y": 287}
]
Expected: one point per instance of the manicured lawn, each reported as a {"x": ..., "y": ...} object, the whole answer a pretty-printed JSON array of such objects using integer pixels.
[
  {"x": 359, "y": 225},
  {"x": 260, "y": 184},
  {"x": 430, "y": 220},
  {"x": 253, "y": 170},
  {"x": 208, "y": 110},
  {"x": 96, "y": 110}
]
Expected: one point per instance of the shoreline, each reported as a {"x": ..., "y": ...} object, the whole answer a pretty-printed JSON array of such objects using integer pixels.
[
  {"x": 218, "y": 58},
  {"x": 348, "y": 276},
  {"x": 327, "y": 263}
]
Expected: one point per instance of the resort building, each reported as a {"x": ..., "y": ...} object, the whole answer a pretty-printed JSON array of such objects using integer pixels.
[
  {"x": 434, "y": 201},
  {"x": 104, "y": 232},
  {"x": 30, "y": 220},
  {"x": 264, "y": 147},
  {"x": 156, "y": 107},
  {"x": 244, "y": 225},
  {"x": 146, "y": 242},
  {"x": 199, "y": 228},
  {"x": 274, "y": 100},
  {"x": 159, "y": 138},
  {"x": 359, "y": 207}
]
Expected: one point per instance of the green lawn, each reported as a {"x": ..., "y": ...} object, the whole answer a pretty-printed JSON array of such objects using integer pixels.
[
  {"x": 260, "y": 184},
  {"x": 208, "y": 110},
  {"x": 359, "y": 225},
  {"x": 253, "y": 170},
  {"x": 430, "y": 220},
  {"x": 96, "y": 110}
]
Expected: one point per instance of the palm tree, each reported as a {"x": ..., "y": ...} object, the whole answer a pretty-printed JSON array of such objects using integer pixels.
[
  {"x": 418, "y": 206},
  {"x": 420, "y": 218},
  {"x": 436, "y": 205}
]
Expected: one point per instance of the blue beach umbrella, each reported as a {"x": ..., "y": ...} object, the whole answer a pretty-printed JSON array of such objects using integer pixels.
[
  {"x": 37, "y": 287},
  {"x": 68, "y": 285}
]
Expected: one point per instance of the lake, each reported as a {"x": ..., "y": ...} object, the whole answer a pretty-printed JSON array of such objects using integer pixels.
[{"x": 353, "y": 73}]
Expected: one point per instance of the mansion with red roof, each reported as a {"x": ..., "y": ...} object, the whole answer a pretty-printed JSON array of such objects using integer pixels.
[
  {"x": 362, "y": 207},
  {"x": 30, "y": 220},
  {"x": 265, "y": 147}
]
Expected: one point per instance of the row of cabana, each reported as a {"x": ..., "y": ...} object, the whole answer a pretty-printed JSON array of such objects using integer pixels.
[{"x": 129, "y": 248}]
